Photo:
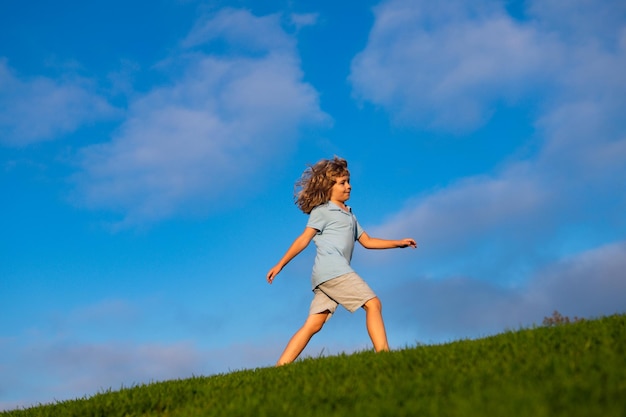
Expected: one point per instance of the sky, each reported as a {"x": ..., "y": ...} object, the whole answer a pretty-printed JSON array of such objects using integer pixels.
[{"x": 149, "y": 150}]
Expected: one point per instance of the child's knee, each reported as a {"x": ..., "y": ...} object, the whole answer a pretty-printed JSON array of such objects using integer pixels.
[
  {"x": 315, "y": 322},
  {"x": 314, "y": 327},
  {"x": 317, "y": 327},
  {"x": 373, "y": 304}
]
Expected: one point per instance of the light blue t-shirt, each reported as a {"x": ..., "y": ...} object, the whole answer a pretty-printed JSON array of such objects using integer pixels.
[{"x": 337, "y": 231}]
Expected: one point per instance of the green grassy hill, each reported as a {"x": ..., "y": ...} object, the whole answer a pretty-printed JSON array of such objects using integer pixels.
[{"x": 576, "y": 369}]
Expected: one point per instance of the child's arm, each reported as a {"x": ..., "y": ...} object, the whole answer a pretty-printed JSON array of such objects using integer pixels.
[
  {"x": 375, "y": 243},
  {"x": 296, "y": 247}
]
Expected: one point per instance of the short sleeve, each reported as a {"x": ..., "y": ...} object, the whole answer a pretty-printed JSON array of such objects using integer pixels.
[
  {"x": 359, "y": 230},
  {"x": 317, "y": 219}
]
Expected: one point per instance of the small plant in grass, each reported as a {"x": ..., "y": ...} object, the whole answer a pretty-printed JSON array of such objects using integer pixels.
[{"x": 558, "y": 319}]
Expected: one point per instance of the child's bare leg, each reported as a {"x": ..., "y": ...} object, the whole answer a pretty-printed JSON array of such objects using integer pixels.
[
  {"x": 298, "y": 342},
  {"x": 375, "y": 325}
]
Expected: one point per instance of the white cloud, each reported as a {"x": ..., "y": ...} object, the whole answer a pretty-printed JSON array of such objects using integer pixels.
[
  {"x": 300, "y": 20},
  {"x": 446, "y": 66},
  {"x": 189, "y": 146},
  {"x": 429, "y": 63},
  {"x": 240, "y": 30},
  {"x": 41, "y": 109},
  {"x": 480, "y": 205},
  {"x": 48, "y": 372},
  {"x": 586, "y": 285},
  {"x": 117, "y": 342},
  {"x": 580, "y": 21},
  {"x": 51, "y": 371},
  {"x": 589, "y": 284}
]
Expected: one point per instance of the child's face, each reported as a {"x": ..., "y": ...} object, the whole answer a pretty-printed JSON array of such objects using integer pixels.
[{"x": 341, "y": 190}]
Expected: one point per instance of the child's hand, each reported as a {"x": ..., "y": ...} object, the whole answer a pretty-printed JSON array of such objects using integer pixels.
[
  {"x": 272, "y": 273},
  {"x": 408, "y": 242}
]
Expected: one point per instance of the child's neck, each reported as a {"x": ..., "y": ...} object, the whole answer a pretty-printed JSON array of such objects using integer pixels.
[{"x": 341, "y": 204}]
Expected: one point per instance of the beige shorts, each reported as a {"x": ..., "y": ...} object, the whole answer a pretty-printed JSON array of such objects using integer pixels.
[{"x": 349, "y": 290}]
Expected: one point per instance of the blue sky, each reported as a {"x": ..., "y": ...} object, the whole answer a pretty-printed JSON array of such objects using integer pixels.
[{"x": 148, "y": 152}]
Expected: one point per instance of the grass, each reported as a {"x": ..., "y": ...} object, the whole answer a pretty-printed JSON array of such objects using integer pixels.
[{"x": 559, "y": 369}]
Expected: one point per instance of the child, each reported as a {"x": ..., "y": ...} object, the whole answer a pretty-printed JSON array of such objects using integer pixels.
[{"x": 324, "y": 190}]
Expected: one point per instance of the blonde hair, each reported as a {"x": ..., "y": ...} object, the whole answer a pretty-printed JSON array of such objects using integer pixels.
[{"x": 315, "y": 185}]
